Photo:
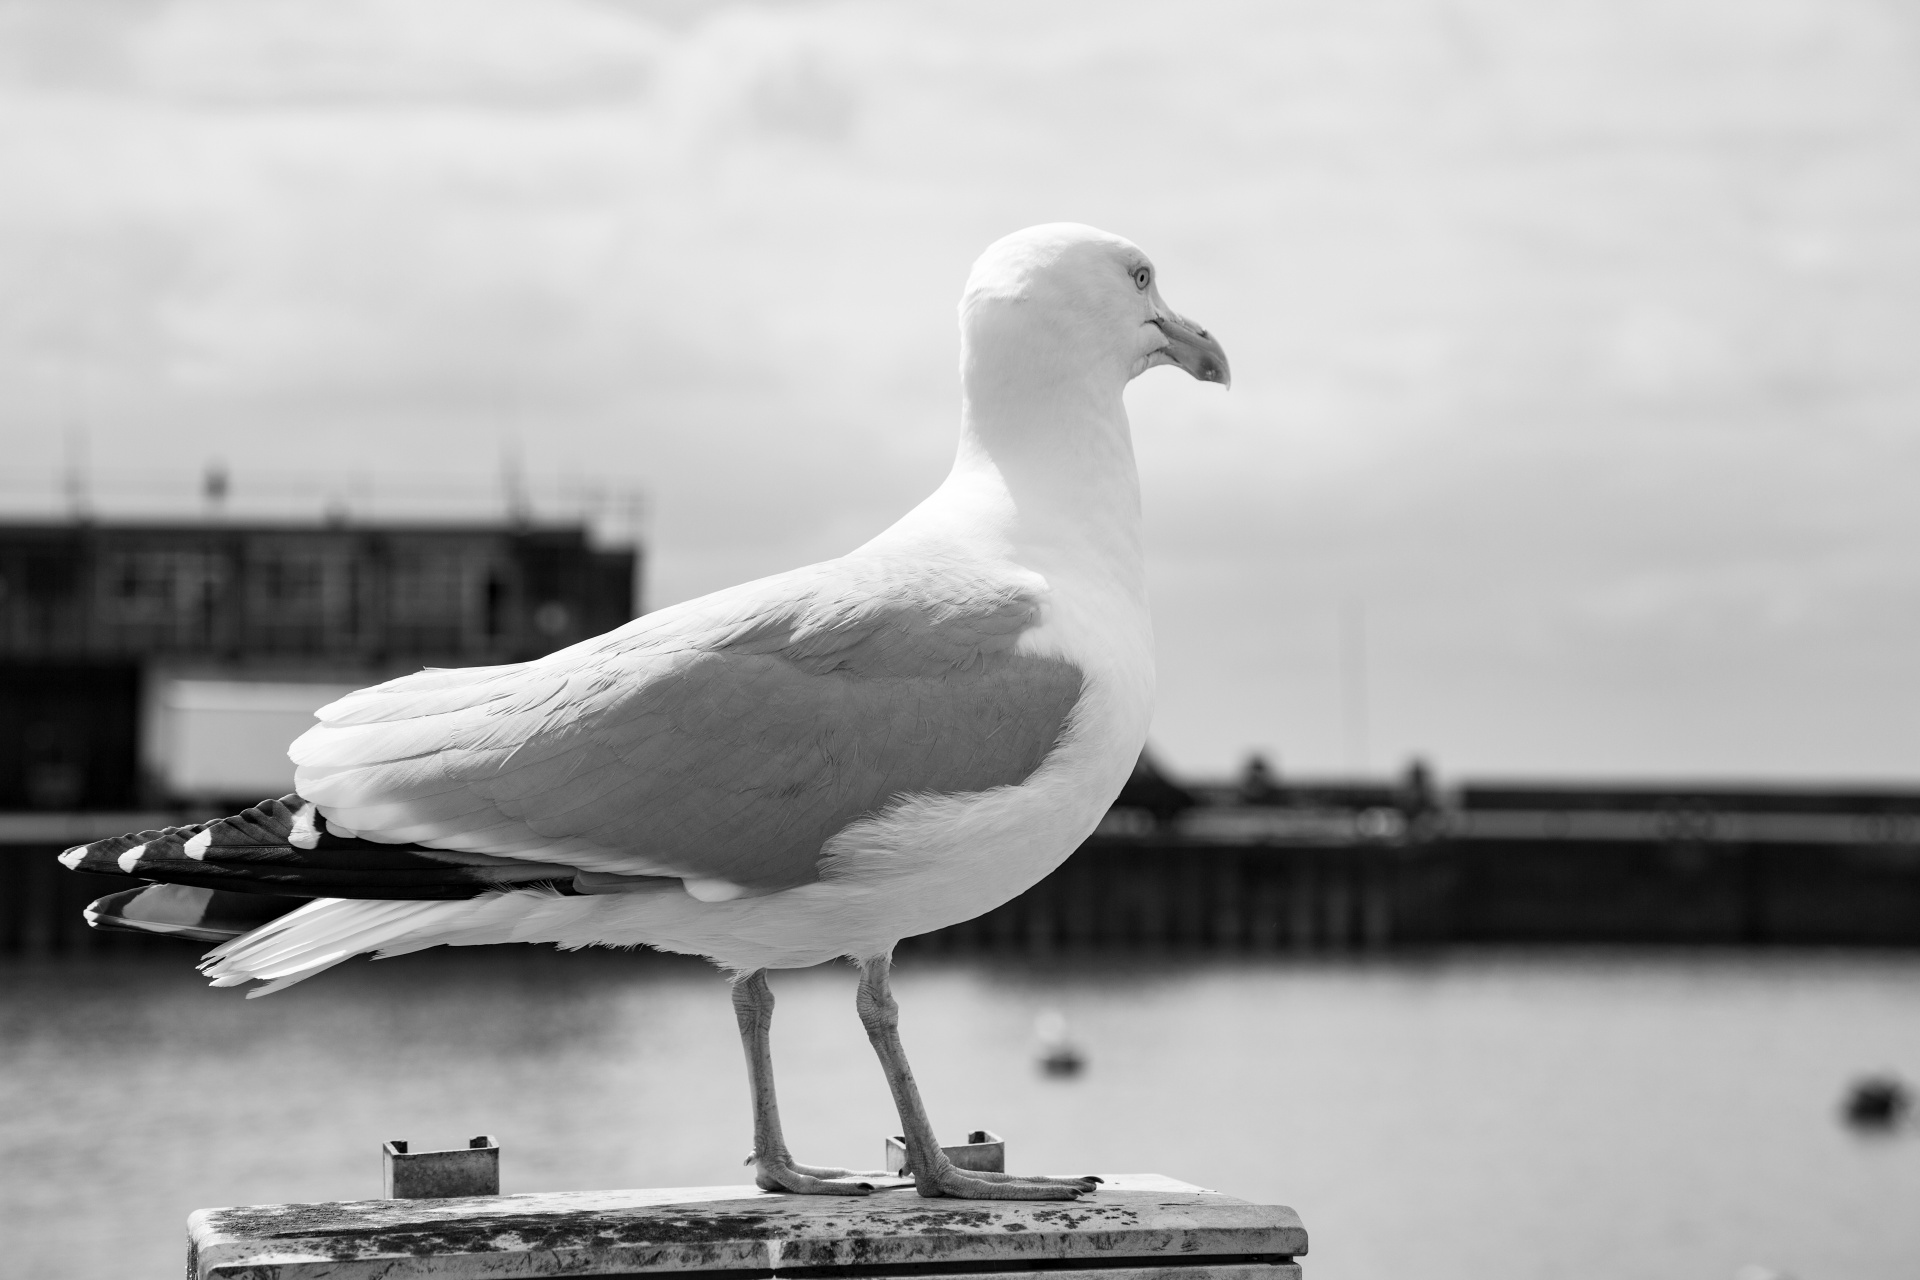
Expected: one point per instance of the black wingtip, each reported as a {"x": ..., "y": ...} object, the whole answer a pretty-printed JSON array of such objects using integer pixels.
[
  {"x": 277, "y": 848},
  {"x": 188, "y": 911}
]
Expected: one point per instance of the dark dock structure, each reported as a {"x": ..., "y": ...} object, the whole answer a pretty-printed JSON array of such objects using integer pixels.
[{"x": 1356, "y": 867}]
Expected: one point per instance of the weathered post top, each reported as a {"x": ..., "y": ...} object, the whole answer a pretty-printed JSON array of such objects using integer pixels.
[{"x": 1139, "y": 1226}]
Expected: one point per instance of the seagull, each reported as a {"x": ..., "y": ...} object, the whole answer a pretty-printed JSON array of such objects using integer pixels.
[{"x": 807, "y": 767}]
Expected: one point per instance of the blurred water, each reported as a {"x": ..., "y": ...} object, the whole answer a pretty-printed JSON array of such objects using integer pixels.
[{"x": 1482, "y": 1115}]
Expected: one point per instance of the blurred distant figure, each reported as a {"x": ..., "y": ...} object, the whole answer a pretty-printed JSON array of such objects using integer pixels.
[
  {"x": 1417, "y": 799},
  {"x": 213, "y": 487},
  {"x": 1416, "y": 785},
  {"x": 1058, "y": 1055},
  {"x": 1877, "y": 1104},
  {"x": 1259, "y": 782}
]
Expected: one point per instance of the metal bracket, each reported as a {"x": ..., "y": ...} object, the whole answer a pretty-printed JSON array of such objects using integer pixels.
[
  {"x": 983, "y": 1152},
  {"x": 430, "y": 1175}
]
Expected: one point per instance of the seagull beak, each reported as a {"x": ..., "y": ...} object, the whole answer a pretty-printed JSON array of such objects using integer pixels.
[{"x": 1193, "y": 349}]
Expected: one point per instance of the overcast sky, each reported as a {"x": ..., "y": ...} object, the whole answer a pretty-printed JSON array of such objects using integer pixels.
[{"x": 1573, "y": 428}]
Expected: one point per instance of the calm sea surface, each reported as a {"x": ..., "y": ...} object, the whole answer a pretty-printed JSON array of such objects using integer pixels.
[{"x": 1482, "y": 1115}]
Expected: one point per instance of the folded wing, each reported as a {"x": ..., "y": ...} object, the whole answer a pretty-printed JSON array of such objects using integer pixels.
[{"x": 722, "y": 742}]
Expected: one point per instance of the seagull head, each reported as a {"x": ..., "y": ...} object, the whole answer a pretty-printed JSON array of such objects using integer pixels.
[{"x": 1074, "y": 302}]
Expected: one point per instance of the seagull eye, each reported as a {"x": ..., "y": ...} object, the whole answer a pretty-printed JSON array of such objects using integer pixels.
[{"x": 1142, "y": 277}]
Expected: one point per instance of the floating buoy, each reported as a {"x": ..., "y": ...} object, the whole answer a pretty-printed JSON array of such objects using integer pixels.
[
  {"x": 1877, "y": 1103},
  {"x": 1058, "y": 1055}
]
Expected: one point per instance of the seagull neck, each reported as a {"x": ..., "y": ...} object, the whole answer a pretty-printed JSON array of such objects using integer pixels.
[{"x": 1052, "y": 467}]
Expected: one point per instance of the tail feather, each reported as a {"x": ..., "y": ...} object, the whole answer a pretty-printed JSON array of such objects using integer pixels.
[
  {"x": 318, "y": 926},
  {"x": 498, "y": 918},
  {"x": 321, "y": 935},
  {"x": 281, "y": 984}
]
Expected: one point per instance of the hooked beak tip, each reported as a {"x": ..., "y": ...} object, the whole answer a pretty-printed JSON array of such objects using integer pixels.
[{"x": 1195, "y": 350}]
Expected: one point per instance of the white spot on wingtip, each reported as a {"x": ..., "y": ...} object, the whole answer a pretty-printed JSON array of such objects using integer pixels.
[
  {"x": 131, "y": 858},
  {"x": 712, "y": 890},
  {"x": 306, "y": 829},
  {"x": 196, "y": 848},
  {"x": 73, "y": 857}
]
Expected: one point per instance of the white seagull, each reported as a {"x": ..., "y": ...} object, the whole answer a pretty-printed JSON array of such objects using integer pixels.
[{"x": 810, "y": 766}]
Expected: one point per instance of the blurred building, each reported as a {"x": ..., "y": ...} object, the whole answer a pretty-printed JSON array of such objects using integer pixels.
[{"x": 166, "y": 664}]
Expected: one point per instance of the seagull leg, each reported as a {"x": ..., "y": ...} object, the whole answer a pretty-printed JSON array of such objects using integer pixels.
[
  {"x": 774, "y": 1167},
  {"x": 933, "y": 1173}
]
